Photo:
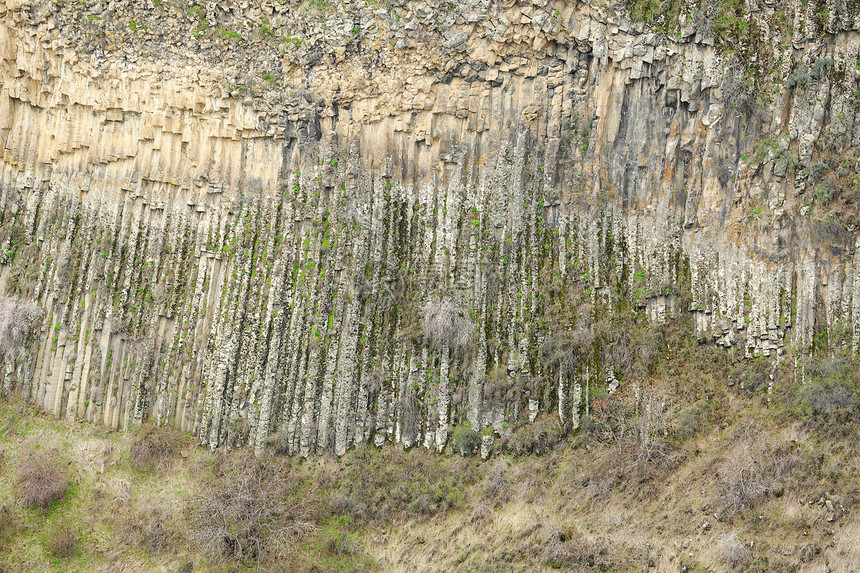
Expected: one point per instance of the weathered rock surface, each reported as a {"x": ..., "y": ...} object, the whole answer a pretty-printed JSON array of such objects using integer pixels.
[{"x": 234, "y": 212}]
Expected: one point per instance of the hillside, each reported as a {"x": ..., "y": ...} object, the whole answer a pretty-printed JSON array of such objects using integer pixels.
[{"x": 720, "y": 478}]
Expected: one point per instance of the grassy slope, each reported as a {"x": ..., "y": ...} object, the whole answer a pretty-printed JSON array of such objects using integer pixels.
[{"x": 574, "y": 508}]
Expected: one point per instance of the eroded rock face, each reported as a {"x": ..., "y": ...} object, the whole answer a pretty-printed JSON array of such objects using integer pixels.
[{"x": 235, "y": 212}]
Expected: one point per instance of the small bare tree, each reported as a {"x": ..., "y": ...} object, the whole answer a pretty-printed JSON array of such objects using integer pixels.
[
  {"x": 635, "y": 424},
  {"x": 18, "y": 320},
  {"x": 755, "y": 471},
  {"x": 446, "y": 324},
  {"x": 245, "y": 515}
]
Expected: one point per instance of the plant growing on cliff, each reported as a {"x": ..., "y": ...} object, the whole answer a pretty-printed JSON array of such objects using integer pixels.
[
  {"x": 18, "y": 321},
  {"x": 466, "y": 440},
  {"x": 446, "y": 324},
  {"x": 231, "y": 34}
]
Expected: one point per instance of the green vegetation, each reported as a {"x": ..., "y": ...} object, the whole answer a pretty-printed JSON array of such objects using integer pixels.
[{"x": 231, "y": 34}]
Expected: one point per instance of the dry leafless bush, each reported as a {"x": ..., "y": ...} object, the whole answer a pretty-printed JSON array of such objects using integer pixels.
[
  {"x": 829, "y": 401},
  {"x": 752, "y": 375},
  {"x": 481, "y": 513},
  {"x": 734, "y": 551},
  {"x": 564, "y": 349},
  {"x": 40, "y": 481},
  {"x": 279, "y": 442},
  {"x": 755, "y": 471},
  {"x": 150, "y": 530},
  {"x": 562, "y": 551},
  {"x": 63, "y": 545},
  {"x": 629, "y": 347},
  {"x": 246, "y": 515},
  {"x": 18, "y": 320},
  {"x": 600, "y": 483},
  {"x": 445, "y": 324},
  {"x": 496, "y": 483},
  {"x": 538, "y": 438},
  {"x": 636, "y": 425},
  {"x": 500, "y": 386},
  {"x": 154, "y": 448}
]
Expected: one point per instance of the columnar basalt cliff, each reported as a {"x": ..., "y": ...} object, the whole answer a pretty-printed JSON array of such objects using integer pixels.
[{"x": 239, "y": 215}]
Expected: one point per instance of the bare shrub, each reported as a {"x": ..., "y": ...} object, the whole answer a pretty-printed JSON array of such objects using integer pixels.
[
  {"x": 18, "y": 321},
  {"x": 246, "y": 515},
  {"x": 481, "y": 513},
  {"x": 63, "y": 545},
  {"x": 500, "y": 386},
  {"x": 150, "y": 530},
  {"x": 446, "y": 324},
  {"x": 631, "y": 349},
  {"x": 564, "y": 349},
  {"x": 752, "y": 375},
  {"x": 600, "y": 484},
  {"x": 279, "y": 442},
  {"x": 829, "y": 402},
  {"x": 827, "y": 231},
  {"x": 693, "y": 420},
  {"x": 736, "y": 92},
  {"x": 40, "y": 481},
  {"x": 734, "y": 551},
  {"x": 755, "y": 471},
  {"x": 636, "y": 425},
  {"x": 154, "y": 447},
  {"x": 563, "y": 551},
  {"x": 538, "y": 438},
  {"x": 496, "y": 484}
]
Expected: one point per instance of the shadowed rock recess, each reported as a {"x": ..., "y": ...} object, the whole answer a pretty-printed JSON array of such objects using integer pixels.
[{"x": 343, "y": 223}]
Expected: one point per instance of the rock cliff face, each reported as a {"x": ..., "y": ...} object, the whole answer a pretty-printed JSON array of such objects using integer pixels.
[{"x": 241, "y": 217}]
